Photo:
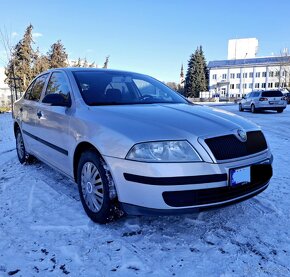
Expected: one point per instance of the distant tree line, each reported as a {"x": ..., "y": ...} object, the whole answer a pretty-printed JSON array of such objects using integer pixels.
[{"x": 25, "y": 63}]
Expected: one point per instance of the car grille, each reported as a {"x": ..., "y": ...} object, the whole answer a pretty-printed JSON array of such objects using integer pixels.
[
  {"x": 260, "y": 176},
  {"x": 230, "y": 147}
]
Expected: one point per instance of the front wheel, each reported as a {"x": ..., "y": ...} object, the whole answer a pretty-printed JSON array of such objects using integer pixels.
[
  {"x": 241, "y": 108},
  {"x": 93, "y": 187}
]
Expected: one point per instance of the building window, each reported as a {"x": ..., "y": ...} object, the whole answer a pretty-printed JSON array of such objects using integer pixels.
[
  {"x": 214, "y": 76},
  {"x": 244, "y": 85},
  {"x": 276, "y": 84},
  {"x": 264, "y": 85},
  {"x": 257, "y": 85},
  {"x": 270, "y": 85},
  {"x": 232, "y": 75},
  {"x": 283, "y": 85},
  {"x": 284, "y": 73},
  {"x": 232, "y": 86},
  {"x": 271, "y": 74},
  {"x": 277, "y": 73},
  {"x": 250, "y": 85},
  {"x": 238, "y": 75},
  {"x": 237, "y": 86},
  {"x": 245, "y": 75},
  {"x": 258, "y": 74},
  {"x": 264, "y": 74},
  {"x": 251, "y": 74},
  {"x": 224, "y": 76}
]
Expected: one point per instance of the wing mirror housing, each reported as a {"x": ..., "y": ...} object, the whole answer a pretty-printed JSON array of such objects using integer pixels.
[{"x": 56, "y": 99}]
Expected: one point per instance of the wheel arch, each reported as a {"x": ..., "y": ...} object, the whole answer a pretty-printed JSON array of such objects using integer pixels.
[
  {"x": 16, "y": 127},
  {"x": 81, "y": 147}
]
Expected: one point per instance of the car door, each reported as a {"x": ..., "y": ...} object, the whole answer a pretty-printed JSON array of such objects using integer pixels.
[
  {"x": 53, "y": 125},
  {"x": 28, "y": 111},
  {"x": 247, "y": 100}
]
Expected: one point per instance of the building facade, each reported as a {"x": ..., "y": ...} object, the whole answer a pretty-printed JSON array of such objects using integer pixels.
[{"x": 235, "y": 78}]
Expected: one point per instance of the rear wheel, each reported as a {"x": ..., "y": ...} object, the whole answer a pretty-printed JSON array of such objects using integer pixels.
[
  {"x": 241, "y": 109},
  {"x": 253, "y": 108},
  {"x": 93, "y": 187},
  {"x": 22, "y": 154},
  {"x": 280, "y": 110}
]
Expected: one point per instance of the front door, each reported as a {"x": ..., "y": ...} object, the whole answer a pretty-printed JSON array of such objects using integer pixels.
[{"x": 53, "y": 125}]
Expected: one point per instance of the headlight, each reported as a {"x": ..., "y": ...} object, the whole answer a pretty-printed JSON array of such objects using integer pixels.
[{"x": 163, "y": 151}]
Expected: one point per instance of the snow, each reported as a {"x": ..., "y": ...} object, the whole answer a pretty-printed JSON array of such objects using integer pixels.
[{"x": 45, "y": 232}]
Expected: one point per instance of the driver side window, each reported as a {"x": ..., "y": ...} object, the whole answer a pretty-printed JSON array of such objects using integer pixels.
[{"x": 148, "y": 89}]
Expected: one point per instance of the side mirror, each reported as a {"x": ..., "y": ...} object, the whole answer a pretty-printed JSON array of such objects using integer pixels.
[{"x": 56, "y": 99}]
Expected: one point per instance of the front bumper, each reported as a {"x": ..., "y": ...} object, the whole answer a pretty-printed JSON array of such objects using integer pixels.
[{"x": 176, "y": 187}]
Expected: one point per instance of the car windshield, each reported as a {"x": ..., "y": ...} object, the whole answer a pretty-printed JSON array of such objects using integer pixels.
[
  {"x": 119, "y": 88},
  {"x": 272, "y": 93}
]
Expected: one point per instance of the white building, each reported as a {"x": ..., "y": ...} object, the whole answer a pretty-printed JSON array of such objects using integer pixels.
[
  {"x": 242, "y": 48},
  {"x": 236, "y": 77},
  {"x": 5, "y": 96}
]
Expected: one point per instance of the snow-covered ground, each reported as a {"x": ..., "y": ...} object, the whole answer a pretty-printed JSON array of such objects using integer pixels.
[{"x": 45, "y": 232}]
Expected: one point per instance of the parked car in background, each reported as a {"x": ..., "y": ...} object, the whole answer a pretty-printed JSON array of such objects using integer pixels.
[
  {"x": 133, "y": 144},
  {"x": 263, "y": 100}
]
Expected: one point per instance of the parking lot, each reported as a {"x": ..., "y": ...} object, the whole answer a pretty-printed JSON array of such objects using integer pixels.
[{"x": 45, "y": 232}]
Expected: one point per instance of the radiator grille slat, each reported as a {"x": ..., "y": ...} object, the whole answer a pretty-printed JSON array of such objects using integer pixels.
[{"x": 230, "y": 147}]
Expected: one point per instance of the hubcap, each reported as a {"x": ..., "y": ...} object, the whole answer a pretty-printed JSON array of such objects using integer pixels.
[
  {"x": 92, "y": 187},
  {"x": 20, "y": 146}
]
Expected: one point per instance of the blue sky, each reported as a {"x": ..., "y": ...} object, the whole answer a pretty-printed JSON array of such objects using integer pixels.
[{"x": 152, "y": 37}]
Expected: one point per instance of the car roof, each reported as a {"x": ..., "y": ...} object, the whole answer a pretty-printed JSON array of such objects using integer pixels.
[{"x": 90, "y": 69}]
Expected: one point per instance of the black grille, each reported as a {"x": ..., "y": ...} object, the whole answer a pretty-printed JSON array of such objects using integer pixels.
[
  {"x": 260, "y": 176},
  {"x": 230, "y": 147}
]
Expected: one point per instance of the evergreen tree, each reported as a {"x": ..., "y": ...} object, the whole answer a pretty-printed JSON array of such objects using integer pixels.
[
  {"x": 205, "y": 68},
  {"x": 78, "y": 63},
  {"x": 85, "y": 63},
  {"x": 40, "y": 63},
  {"x": 188, "y": 87},
  {"x": 19, "y": 66},
  {"x": 197, "y": 74},
  {"x": 57, "y": 55}
]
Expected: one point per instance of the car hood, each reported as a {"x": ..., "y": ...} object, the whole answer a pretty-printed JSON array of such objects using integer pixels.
[{"x": 130, "y": 124}]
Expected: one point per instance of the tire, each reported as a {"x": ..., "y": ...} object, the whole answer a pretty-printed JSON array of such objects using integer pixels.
[
  {"x": 253, "y": 109},
  {"x": 22, "y": 154},
  {"x": 241, "y": 108},
  {"x": 93, "y": 187},
  {"x": 280, "y": 110}
]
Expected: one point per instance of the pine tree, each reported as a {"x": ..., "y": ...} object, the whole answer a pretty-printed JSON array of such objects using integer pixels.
[
  {"x": 85, "y": 63},
  {"x": 57, "y": 55},
  {"x": 188, "y": 87},
  {"x": 197, "y": 74},
  {"x": 19, "y": 66},
  {"x": 40, "y": 63}
]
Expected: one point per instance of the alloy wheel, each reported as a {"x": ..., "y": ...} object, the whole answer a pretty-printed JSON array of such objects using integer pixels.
[{"x": 92, "y": 187}]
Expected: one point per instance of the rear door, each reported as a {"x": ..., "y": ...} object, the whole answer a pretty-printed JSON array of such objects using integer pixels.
[
  {"x": 28, "y": 111},
  {"x": 248, "y": 100},
  {"x": 53, "y": 125}
]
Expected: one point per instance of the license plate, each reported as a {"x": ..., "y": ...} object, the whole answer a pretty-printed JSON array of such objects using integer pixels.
[
  {"x": 240, "y": 176},
  {"x": 273, "y": 102}
]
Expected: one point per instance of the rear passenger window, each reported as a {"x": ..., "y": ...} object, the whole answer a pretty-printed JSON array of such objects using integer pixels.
[
  {"x": 272, "y": 93},
  {"x": 37, "y": 88},
  {"x": 58, "y": 84},
  {"x": 256, "y": 94},
  {"x": 28, "y": 91}
]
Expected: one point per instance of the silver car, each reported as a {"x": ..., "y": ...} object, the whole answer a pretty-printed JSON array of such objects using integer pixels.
[
  {"x": 264, "y": 100},
  {"x": 134, "y": 145}
]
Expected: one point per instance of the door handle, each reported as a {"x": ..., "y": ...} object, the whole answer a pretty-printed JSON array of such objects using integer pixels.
[{"x": 39, "y": 114}]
